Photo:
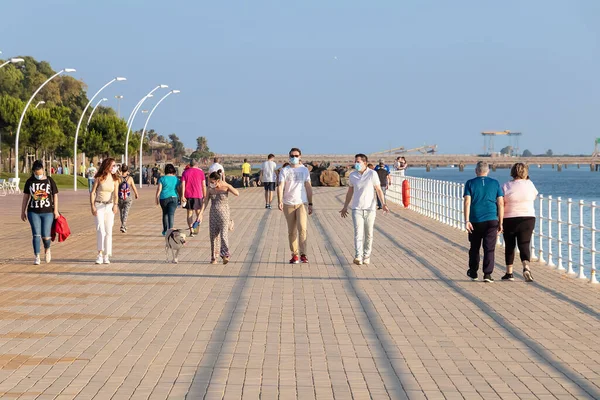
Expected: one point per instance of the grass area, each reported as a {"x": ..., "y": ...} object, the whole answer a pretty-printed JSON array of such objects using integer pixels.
[{"x": 62, "y": 181}]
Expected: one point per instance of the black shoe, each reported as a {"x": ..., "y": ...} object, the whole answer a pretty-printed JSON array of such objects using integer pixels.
[
  {"x": 488, "y": 278},
  {"x": 508, "y": 277},
  {"x": 266, "y": 206},
  {"x": 527, "y": 275},
  {"x": 472, "y": 275}
]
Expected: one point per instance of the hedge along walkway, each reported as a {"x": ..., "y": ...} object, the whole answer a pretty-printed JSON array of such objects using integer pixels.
[{"x": 410, "y": 325}]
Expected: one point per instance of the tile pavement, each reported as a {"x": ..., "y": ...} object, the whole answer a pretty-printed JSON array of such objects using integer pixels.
[{"x": 408, "y": 326}]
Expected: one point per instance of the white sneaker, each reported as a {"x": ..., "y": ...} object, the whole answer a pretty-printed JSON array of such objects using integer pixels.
[
  {"x": 106, "y": 260},
  {"x": 367, "y": 260},
  {"x": 37, "y": 260},
  {"x": 358, "y": 261},
  {"x": 99, "y": 259},
  {"x": 48, "y": 256}
]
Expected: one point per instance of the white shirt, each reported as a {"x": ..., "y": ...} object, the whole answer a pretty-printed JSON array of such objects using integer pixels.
[
  {"x": 364, "y": 189},
  {"x": 268, "y": 171},
  {"x": 293, "y": 180},
  {"x": 215, "y": 167},
  {"x": 519, "y": 198}
]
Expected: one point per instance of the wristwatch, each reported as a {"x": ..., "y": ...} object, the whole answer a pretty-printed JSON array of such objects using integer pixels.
[{"x": 310, "y": 204}]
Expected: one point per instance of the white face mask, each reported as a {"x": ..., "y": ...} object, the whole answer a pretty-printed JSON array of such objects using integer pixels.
[
  {"x": 114, "y": 169},
  {"x": 294, "y": 160},
  {"x": 212, "y": 185}
]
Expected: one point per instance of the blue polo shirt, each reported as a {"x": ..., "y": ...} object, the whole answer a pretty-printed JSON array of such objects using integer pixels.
[{"x": 484, "y": 192}]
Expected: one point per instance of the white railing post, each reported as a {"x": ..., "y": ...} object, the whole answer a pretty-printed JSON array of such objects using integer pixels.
[
  {"x": 541, "y": 231},
  {"x": 560, "y": 266},
  {"x": 550, "y": 252},
  {"x": 581, "y": 274},
  {"x": 570, "y": 270},
  {"x": 593, "y": 246},
  {"x": 446, "y": 205}
]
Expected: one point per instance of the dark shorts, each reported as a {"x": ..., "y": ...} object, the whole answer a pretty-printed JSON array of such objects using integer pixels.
[
  {"x": 193, "y": 204},
  {"x": 246, "y": 175},
  {"x": 269, "y": 186}
]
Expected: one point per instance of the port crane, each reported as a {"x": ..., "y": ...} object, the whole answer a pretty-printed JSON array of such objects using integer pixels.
[
  {"x": 488, "y": 140},
  {"x": 426, "y": 149}
]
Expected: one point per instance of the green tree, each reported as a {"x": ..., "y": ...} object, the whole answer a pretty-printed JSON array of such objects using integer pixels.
[
  {"x": 202, "y": 152},
  {"x": 177, "y": 145},
  {"x": 43, "y": 131},
  {"x": 111, "y": 131},
  {"x": 549, "y": 153},
  {"x": 507, "y": 150},
  {"x": 527, "y": 153}
]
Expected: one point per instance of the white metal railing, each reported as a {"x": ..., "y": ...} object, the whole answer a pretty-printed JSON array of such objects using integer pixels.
[{"x": 565, "y": 244}]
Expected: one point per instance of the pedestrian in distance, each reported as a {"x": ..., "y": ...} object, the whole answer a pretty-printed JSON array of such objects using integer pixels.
[
  {"x": 216, "y": 166},
  {"x": 385, "y": 179},
  {"x": 155, "y": 174},
  {"x": 167, "y": 194},
  {"x": 246, "y": 169},
  {"x": 484, "y": 214},
  {"x": 519, "y": 219},
  {"x": 293, "y": 193},
  {"x": 401, "y": 165},
  {"x": 126, "y": 185},
  {"x": 104, "y": 205},
  {"x": 268, "y": 178},
  {"x": 40, "y": 208},
  {"x": 91, "y": 173},
  {"x": 364, "y": 186},
  {"x": 219, "y": 222},
  {"x": 193, "y": 189}
]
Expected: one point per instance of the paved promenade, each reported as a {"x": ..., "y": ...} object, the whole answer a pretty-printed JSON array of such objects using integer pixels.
[{"x": 410, "y": 325}]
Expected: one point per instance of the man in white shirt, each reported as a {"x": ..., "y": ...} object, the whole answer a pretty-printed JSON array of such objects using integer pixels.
[
  {"x": 216, "y": 167},
  {"x": 364, "y": 185},
  {"x": 268, "y": 178},
  {"x": 294, "y": 192}
]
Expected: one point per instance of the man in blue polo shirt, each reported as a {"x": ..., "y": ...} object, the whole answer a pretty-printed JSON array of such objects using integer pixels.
[{"x": 484, "y": 212}]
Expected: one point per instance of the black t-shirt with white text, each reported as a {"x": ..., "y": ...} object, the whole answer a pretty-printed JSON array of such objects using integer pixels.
[{"x": 42, "y": 193}]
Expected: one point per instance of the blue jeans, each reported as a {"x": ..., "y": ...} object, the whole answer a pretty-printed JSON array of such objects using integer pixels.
[
  {"x": 41, "y": 225},
  {"x": 168, "y": 205},
  {"x": 90, "y": 184}
]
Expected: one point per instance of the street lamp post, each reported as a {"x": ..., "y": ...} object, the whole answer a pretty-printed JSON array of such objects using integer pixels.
[
  {"x": 93, "y": 111},
  {"x": 132, "y": 118},
  {"x": 146, "y": 124},
  {"x": 79, "y": 126},
  {"x": 12, "y": 61},
  {"x": 39, "y": 103},
  {"x": 119, "y": 97},
  {"x": 23, "y": 116}
]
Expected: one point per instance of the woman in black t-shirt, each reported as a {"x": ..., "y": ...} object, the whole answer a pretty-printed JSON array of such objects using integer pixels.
[{"x": 40, "y": 208}]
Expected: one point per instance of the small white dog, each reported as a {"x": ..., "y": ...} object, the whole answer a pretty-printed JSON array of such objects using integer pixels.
[{"x": 174, "y": 241}]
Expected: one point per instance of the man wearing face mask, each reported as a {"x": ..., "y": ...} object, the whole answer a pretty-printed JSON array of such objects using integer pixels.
[
  {"x": 364, "y": 185},
  {"x": 294, "y": 192}
]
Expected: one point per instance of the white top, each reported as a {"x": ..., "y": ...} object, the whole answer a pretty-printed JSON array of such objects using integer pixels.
[
  {"x": 268, "y": 171},
  {"x": 215, "y": 167},
  {"x": 293, "y": 180},
  {"x": 364, "y": 189},
  {"x": 519, "y": 198}
]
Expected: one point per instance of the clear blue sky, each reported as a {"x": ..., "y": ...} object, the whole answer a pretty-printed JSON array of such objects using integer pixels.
[{"x": 260, "y": 76}]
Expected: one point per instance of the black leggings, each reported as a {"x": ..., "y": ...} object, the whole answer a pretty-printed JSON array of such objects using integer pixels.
[{"x": 517, "y": 232}]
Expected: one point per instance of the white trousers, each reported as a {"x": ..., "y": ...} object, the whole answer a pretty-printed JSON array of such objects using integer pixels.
[
  {"x": 364, "y": 221},
  {"x": 105, "y": 219}
]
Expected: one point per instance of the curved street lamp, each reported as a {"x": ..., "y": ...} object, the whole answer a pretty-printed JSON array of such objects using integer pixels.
[
  {"x": 23, "y": 116},
  {"x": 93, "y": 111},
  {"x": 12, "y": 61},
  {"x": 132, "y": 118},
  {"x": 146, "y": 124},
  {"x": 39, "y": 103},
  {"x": 118, "y": 78}
]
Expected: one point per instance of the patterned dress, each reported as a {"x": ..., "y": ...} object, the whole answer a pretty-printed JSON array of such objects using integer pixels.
[{"x": 219, "y": 223}]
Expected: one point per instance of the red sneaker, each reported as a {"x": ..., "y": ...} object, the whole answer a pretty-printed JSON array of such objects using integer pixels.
[
  {"x": 294, "y": 260},
  {"x": 304, "y": 259}
]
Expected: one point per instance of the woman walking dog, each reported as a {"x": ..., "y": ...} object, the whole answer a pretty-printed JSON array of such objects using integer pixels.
[
  {"x": 40, "y": 208},
  {"x": 103, "y": 201}
]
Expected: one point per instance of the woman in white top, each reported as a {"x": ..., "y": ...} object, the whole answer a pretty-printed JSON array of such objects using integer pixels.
[
  {"x": 519, "y": 219},
  {"x": 104, "y": 203}
]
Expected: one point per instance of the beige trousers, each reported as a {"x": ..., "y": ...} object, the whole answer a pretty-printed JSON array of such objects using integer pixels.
[{"x": 297, "y": 220}]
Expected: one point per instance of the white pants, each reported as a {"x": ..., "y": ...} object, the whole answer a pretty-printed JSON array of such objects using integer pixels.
[
  {"x": 363, "y": 220},
  {"x": 105, "y": 219}
]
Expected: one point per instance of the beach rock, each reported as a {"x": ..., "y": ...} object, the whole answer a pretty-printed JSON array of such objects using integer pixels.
[{"x": 330, "y": 178}]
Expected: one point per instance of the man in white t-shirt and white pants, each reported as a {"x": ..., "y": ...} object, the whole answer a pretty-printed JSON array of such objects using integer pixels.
[
  {"x": 294, "y": 192},
  {"x": 364, "y": 185},
  {"x": 268, "y": 177}
]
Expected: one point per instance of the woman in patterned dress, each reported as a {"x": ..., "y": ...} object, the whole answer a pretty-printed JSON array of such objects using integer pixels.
[{"x": 219, "y": 219}]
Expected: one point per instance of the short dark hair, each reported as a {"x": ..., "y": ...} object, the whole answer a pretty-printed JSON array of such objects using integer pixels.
[
  {"x": 216, "y": 159},
  {"x": 170, "y": 169},
  {"x": 216, "y": 175},
  {"x": 270, "y": 156},
  {"x": 294, "y": 149},
  {"x": 362, "y": 156},
  {"x": 245, "y": 160},
  {"x": 124, "y": 168},
  {"x": 37, "y": 165}
]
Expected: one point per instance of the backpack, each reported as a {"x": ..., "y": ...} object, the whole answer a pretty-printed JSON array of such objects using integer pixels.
[{"x": 124, "y": 191}]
